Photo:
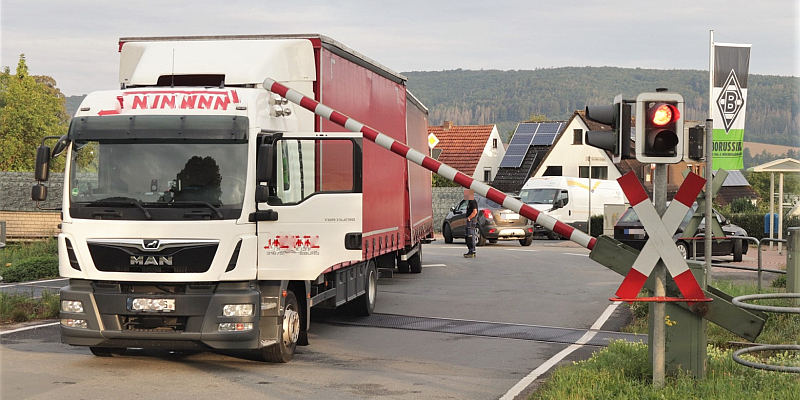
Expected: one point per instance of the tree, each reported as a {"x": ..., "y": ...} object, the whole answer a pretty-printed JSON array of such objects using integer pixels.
[{"x": 31, "y": 107}]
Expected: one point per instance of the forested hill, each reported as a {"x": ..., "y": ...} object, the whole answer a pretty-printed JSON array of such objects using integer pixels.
[{"x": 508, "y": 97}]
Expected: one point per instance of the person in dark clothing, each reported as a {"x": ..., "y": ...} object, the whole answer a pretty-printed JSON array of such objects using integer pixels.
[{"x": 472, "y": 222}]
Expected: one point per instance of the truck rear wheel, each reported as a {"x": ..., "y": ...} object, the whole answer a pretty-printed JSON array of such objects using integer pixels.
[
  {"x": 283, "y": 351},
  {"x": 415, "y": 262},
  {"x": 364, "y": 305}
]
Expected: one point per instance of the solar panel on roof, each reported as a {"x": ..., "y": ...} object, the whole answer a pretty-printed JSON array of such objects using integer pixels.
[
  {"x": 735, "y": 178},
  {"x": 511, "y": 161},
  {"x": 526, "y": 128},
  {"x": 517, "y": 150},
  {"x": 549, "y": 127},
  {"x": 522, "y": 138},
  {"x": 543, "y": 139}
]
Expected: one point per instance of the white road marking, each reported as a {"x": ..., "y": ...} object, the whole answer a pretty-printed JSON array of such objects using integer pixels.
[
  {"x": 32, "y": 283},
  {"x": 434, "y": 265},
  {"x": 28, "y": 328},
  {"x": 525, "y": 382},
  {"x": 520, "y": 250},
  {"x": 576, "y": 254}
]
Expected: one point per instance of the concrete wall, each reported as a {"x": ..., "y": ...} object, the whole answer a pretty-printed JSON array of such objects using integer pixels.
[
  {"x": 23, "y": 220},
  {"x": 443, "y": 199}
]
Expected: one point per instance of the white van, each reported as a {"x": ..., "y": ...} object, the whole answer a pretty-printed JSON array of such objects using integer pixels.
[{"x": 567, "y": 199}]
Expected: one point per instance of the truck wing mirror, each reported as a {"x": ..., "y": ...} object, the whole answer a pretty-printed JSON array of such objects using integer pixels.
[
  {"x": 39, "y": 192},
  {"x": 265, "y": 164},
  {"x": 42, "y": 168}
]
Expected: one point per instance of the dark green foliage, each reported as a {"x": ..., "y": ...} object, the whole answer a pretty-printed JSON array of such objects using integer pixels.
[
  {"x": 30, "y": 269},
  {"x": 742, "y": 205},
  {"x": 753, "y": 223},
  {"x": 597, "y": 225},
  {"x": 506, "y": 98}
]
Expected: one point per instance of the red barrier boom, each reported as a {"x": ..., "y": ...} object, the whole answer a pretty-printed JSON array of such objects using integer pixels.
[{"x": 439, "y": 168}]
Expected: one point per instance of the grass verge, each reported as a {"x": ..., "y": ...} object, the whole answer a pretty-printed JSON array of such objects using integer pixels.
[
  {"x": 623, "y": 370},
  {"x": 22, "y": 307}
]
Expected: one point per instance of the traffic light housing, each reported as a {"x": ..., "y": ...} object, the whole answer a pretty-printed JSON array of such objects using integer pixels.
[
  {"x": 617, "y": 140},
  {"x": 659, "y": 128}
]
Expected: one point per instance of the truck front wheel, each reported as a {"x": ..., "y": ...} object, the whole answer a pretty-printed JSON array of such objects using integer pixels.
[{"x": 283, "y": 351}]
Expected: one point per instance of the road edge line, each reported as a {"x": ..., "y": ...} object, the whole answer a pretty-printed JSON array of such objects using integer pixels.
[
  {"x": 547, "y": 365},
  {"x": 3, "y": 333}
]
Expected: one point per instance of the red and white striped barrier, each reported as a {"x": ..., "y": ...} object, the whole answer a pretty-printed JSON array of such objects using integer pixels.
[
  {"x": 431, "y": 164},
  {"x": 660, "y": 244}
]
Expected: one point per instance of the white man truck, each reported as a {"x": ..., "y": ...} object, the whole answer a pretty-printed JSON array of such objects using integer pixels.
[
  {"x": 567, "y": 199},
  {"x": 202, "y": 211}
]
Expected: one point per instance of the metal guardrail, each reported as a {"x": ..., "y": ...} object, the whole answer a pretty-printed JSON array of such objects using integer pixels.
[
  {"x": 758, "y": 243},
  {"x": 740, "y": 302}
]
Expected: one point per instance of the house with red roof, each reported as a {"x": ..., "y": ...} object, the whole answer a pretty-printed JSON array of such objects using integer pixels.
[{"x": 475, "y": 150}]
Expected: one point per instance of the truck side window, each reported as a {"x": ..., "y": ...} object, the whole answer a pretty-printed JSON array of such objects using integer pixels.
[
  {"x": 563, "y": 198},
  {"x": 305, "y": 167}
]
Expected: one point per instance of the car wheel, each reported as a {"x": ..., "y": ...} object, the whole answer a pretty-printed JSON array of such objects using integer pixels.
[
  {"x": 527, "y": 241},
  {"x": 737, "y": 250},
  {"x": 479, "y": 239},
  {"x": 552, "y": 235},
  {"x": 683, "y": 248},
  {"x": 447, "y": 233},
  {"x": 492, "y": 241}
]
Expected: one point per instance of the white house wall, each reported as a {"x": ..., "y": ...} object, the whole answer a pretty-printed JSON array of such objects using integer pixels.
[
  {"x": 491, "y": 157},
  {"x": 571, "y": 156}
]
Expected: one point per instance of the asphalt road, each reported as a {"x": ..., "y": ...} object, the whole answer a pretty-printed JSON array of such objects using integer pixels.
[{"x": 547, "y": 285}]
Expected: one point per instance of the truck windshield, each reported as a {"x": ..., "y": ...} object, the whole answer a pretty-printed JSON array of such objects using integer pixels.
[
  {"x": 160, "y": 179},
  {"x": 538, "y": 196}
]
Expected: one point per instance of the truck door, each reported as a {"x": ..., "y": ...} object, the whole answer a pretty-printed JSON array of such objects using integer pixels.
[{"x": 310, "y": 209}]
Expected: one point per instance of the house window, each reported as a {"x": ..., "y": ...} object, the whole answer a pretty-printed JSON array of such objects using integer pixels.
[
  {"x": 494, "y": 143},
  {"x": 552, "y": 170},
  {"x": 487, "y": 175},
  {"x": 577, "y": 136},
  {"x": 597, "y": 172}
]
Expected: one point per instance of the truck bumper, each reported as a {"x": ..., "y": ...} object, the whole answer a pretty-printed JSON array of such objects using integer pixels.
[{"x": 194, "y": 324}]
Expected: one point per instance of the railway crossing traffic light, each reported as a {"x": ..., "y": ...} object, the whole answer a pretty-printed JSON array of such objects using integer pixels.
[
  {"x": 659, "y": 128},
  {"x": 618, "y": 140}
]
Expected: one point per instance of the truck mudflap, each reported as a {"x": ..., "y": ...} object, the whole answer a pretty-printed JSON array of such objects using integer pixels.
[{"x": 162, "y": 316}]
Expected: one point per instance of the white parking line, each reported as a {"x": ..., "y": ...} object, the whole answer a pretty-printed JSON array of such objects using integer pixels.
[
  {"x": 576, "y": 254},
  {"x": 32, "y": 283},
  {"x": 28, "y": 328},
  {"x": 525, "y": 382}
]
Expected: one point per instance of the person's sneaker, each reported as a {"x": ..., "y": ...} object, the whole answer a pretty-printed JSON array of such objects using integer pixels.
[{"x": 469, "y": 255}]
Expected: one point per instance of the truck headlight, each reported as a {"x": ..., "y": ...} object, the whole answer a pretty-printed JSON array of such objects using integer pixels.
[
  {"x": 71, "y": 306},
  {"x": 237, "y": 310}
]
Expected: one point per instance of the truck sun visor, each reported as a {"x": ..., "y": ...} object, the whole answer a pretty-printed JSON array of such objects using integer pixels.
[{"x": 163, "y": 127}]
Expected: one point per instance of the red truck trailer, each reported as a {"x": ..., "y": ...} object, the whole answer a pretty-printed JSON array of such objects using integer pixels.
[{"x": 203, "y": 211}]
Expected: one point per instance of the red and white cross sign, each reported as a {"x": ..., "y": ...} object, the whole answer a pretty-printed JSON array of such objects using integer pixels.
[{"x": 660, "y": 245}]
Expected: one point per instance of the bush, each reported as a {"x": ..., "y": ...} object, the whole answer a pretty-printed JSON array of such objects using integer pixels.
[
  {"x": 597, "y": 225},
  {"x": 31, "y": 269},
  {"x": 753, "y": 223}
]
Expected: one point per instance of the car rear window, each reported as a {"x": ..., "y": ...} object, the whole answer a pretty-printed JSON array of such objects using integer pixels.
[
  {"x": 483, "y": 202},
  {"x": 629, "y": 216}
]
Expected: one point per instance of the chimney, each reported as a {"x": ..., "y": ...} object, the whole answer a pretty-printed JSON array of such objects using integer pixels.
[{"x": 447, "y": 125}]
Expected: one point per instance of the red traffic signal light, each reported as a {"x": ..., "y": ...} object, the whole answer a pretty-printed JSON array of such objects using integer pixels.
[{"x": 659, "y": 128}]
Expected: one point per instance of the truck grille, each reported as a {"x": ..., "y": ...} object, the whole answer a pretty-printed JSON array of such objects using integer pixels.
[
  {"x": 148, "y": 323},
  {"x": 110, "y": 257}
]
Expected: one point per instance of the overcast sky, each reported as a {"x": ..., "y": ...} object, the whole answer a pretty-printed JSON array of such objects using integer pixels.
[{"x": 76, "y": 41}]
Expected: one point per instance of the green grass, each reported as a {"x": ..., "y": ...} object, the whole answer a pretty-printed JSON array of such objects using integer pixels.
[
  {"x": 22, "y": 307},
  {"x": 622, "y": 371},
  {"x": 15, "y": 252}
]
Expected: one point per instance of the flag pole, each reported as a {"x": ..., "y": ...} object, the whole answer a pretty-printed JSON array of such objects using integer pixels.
[{"x": 709, "y": 160}]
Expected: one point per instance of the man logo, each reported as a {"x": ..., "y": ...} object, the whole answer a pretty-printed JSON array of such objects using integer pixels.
[
  {"x": 150, "y": 260},
  {"x": 150, "y": 244}
]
